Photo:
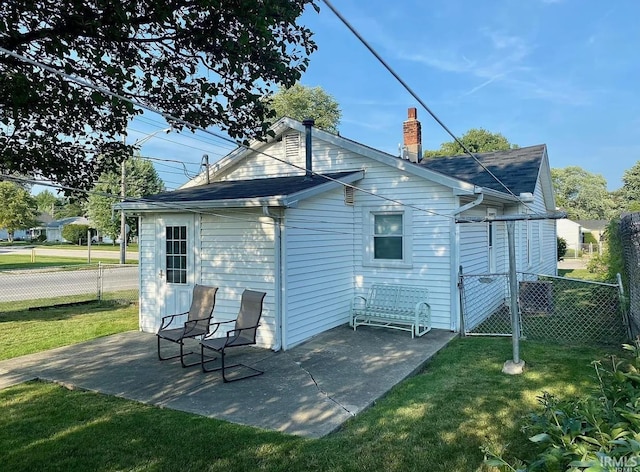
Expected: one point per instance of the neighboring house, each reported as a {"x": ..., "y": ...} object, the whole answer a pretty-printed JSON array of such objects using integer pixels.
[
  {"x": 312, "y": 242},
  {"x": 54, "y": 228},
  {"x": 571, "y": 232},
  {"x": 18, "y": 235},
  {"x": 595, "y": 227}
]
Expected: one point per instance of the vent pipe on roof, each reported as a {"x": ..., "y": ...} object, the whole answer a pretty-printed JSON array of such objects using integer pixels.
[{"x": 308, "y": 124}]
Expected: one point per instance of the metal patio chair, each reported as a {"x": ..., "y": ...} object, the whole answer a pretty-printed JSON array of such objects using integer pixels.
[
  {"x": 198, "y": 321},
  {"x": 242, "y": 334}
]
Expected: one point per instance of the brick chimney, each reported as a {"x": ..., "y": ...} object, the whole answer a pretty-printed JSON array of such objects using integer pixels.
[{"x": 412, "y": 132}]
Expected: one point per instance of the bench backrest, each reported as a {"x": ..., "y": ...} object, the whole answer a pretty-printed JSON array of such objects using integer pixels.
[{"x": 396, "y": 297}]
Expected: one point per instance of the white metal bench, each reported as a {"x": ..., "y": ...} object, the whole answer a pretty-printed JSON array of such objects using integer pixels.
[{"x": 403, "y": 307}]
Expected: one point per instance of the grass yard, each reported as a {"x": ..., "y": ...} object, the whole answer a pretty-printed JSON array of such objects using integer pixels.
[
  {"x": 435, "y": 421},
  {"x": 24, "y": 332}
]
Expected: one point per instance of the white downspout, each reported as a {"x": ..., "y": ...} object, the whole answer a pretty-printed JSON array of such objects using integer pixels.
[
  {"x": 278, "y": 276},
  {"x": 456, "y": 321},
  {"x": 479, "y": 199}
]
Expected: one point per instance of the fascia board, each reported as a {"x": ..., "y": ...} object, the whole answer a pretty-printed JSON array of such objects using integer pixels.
[{"x": 275, "y": 201}]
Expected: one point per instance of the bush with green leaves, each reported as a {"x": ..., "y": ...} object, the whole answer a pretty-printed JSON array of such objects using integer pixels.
[
  {"x": 591, "y": 433},
  {"x": 562, "y": 247},
  {"x": 76, "y": 234}
]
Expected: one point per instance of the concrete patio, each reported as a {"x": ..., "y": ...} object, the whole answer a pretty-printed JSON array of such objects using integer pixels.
[{"x": 310, "y": 390}]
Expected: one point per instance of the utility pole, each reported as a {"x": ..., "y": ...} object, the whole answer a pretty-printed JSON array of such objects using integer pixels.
[{"x": 123, "y": 219}]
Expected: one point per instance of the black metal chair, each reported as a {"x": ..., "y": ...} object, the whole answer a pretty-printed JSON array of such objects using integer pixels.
[
  {"x": 242, "y": 334},
  {"x": 198, "y": 321}
]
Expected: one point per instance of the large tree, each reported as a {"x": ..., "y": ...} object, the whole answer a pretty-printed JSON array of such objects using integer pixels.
[
  {"x": 630, "y": 191},
  {"x": 46, "y": 202},
  {"x": 205, "y": 62},
  {"x": 141, "y": 180},
  {"x": 581, "y": 194},
  {"x": 18, "y": 209},
  {"x": 300, "y": 102},
  {"x": 475, "y": 140}
]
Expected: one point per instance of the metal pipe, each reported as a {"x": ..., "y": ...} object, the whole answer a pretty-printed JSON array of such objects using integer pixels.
[
  {"x": 513, "y": 288},
  {"x": 308, "y": 124}
]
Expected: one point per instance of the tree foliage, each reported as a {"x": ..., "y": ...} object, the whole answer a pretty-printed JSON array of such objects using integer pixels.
[
  {"x": 46, "y": 202},
  {"x": 18, "y": 209},
  {"x": 583, "y": 195},
  {"x": 207, "y": 63},
  {"x": 300, "y": 102},
  {"x": 476, "y": 140},
  {"x": 141, "y": 180},
  {"x": 630, "y": 191}
]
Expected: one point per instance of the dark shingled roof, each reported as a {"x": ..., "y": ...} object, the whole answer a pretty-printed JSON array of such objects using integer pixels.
[
  {"x": 236, "y": 189},
  {"x": 517, "y": 168}
]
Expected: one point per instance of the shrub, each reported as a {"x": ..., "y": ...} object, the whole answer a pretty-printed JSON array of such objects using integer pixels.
[
  {"x": 589, "y": 238},
  {"x": 562, "y": 247},
  {"x": 75, "y": 233}
]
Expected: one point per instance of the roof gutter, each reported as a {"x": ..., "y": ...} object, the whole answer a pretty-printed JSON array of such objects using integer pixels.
[{"x": 479, "y": 199}]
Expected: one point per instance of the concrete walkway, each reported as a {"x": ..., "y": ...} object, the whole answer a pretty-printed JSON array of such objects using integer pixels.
[{"x": 309, "y": 390}]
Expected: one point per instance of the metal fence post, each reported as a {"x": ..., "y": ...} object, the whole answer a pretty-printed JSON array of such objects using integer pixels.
[
  {"x": 461, "y": 296},
  {"x": 623, "y": 306},
  {"x": 99, "y": 281}
]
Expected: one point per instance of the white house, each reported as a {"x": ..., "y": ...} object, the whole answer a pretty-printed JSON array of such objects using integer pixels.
[
  {"x": 54, "y": 228},
  {"x": 312, "y": 242},
  {"x": 571, "y": 232}
]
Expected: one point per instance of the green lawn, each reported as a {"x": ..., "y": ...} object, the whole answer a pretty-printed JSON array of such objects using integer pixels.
[
  {"x": 24, "y": 332},
  {"x": 435, "y": 421}
]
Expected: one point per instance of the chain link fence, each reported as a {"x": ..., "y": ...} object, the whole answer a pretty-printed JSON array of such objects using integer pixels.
[
  {"x": 38, "y": 288},
  {"x": 550, "y": 308},
  {"x": 630, "y": 239}
]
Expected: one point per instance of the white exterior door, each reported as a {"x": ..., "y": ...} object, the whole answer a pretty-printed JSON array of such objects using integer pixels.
[{"x": 175, "y": 262}]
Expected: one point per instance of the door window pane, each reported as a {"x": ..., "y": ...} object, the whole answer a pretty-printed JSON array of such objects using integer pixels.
[{"x": 176, "y": 257}]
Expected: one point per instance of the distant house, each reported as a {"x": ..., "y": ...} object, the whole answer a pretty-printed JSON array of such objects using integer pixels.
[
  {"x": 595, "y": 227},
  {"x": 312, "y": 242},
  {"x": 18, "y": 235},
  {"x": 54, "y": 228},
  {"x": 571, "y": 232}
]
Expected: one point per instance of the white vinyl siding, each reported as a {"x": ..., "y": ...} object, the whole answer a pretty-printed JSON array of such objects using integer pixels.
[
  {"x": 319, "y": 266},
  {"x": 149, "y": 307},
  {"x": 430, "y": 232},
  {"x": 237, "y": 253}
]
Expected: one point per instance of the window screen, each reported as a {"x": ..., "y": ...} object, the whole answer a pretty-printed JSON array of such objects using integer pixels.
[{"x": 387, "y": 236}]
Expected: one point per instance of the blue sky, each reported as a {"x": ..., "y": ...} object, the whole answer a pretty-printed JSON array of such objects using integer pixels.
[{"x": 560, "y": 72}]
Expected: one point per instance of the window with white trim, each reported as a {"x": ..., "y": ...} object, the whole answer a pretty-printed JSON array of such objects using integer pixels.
[{"x": 387, "y": 237}]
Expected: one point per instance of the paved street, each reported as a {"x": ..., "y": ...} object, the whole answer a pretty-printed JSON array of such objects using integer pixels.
[
  {"x": 45, "y": 251},
  {"x": 46, "y": 283}
]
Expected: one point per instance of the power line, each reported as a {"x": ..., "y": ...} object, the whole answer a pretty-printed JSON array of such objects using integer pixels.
[
  {"x": 415, "y": 95},
  {"x": 170, "y": 118}
]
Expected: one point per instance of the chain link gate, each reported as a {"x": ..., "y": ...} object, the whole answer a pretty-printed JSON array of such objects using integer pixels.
[{"x": 551, "y": 308}]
